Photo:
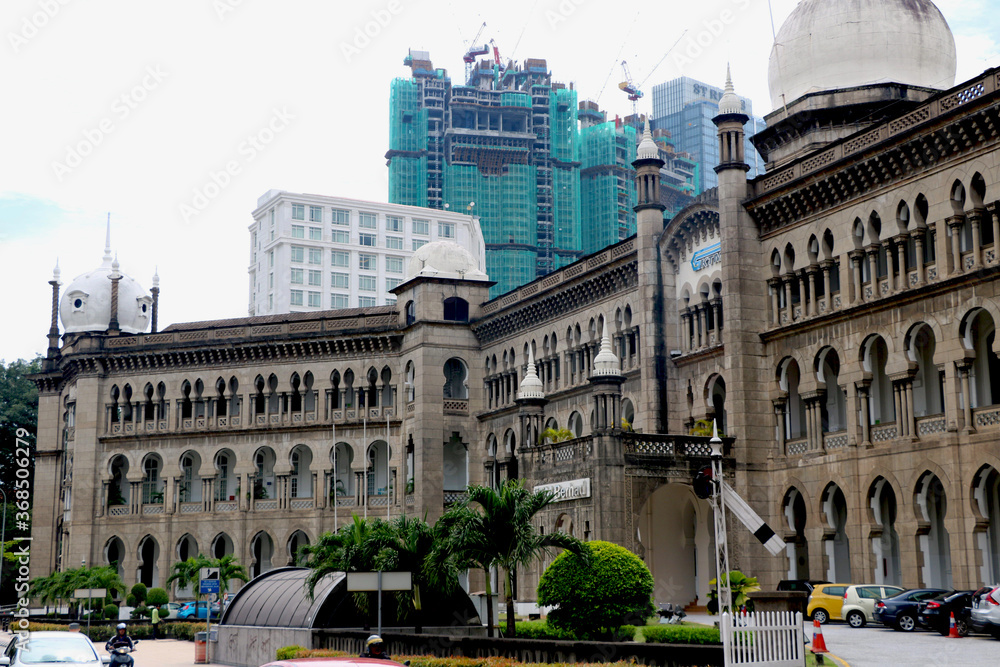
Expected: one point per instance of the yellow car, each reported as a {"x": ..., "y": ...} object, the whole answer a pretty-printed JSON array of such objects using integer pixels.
[{"x": 825, "y": 602}]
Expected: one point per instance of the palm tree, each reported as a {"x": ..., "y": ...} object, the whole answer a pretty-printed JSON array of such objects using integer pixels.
[
  {"x": 407, "y": 544},
  {"x": 501, "y": 533},
  {"x": 351, "y": 549},
  {"x": 229, "y": 568},
  {"x": 188, "y": 572}
]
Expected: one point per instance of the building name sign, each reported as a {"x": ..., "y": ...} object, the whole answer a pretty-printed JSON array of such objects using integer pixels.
[
  {"x": 574, "y": 489},
  {"x": 706, "y": 257}
]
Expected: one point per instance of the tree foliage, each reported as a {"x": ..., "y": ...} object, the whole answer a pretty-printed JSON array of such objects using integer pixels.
[
  {"x": 495, "y": 528},
  {"x": 59, "y": 586},
  {"x": 739, "y": 585},
  {"x": 598, "y": 596},
  {"x": 18, "y": 409}
]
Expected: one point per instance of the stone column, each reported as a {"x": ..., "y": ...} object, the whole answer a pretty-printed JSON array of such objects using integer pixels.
[
  {"x": 789, "y": 278},
  {"x": 911, "y": 419},
  {"x": 862, "y": 389},
  {"x": 995, "y": 215},
  {"x": 717, "y": 303},
  {"x": 918, "y": 242},
  {"x": 904, "y": 276},
  {"x": 697, "y": 327},
  {"x": 872, "y": 252},
  {"x": 685, "y": 330},
  {"x": 813, "y": 307},
  {"x": 975, "y": 219},
  {"x": 703, "y": 313},
  {"x": 964, "y": 367},
  {"x": 955, "y": 225},
  {"x": 779, "y": 417},
  {"x": 856, "y": 256},
  {"x": 803, "y": 293},
  {"x": 775, "y": 285},
  {"x": 827, "y": 266}
]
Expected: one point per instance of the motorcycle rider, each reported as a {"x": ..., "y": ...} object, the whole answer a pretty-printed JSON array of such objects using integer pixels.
[
  {"x": 375, "y": 648},
  {"x": 121, "y": 639}
]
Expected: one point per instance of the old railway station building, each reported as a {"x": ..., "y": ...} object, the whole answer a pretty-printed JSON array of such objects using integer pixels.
[{"x": 836, "y": 316}]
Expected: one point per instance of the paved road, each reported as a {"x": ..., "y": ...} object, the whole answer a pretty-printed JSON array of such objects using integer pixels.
[
  {"x": 875, "y": 645},
  {"x": 149, "y": 653}
]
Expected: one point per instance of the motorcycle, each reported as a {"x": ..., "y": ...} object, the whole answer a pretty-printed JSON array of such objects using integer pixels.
[
  {"x": 120, "y": 656},
  {"x": 671, "y": 614}
]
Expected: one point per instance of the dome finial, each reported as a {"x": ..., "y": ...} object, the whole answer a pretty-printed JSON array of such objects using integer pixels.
[
  {"x": 107, "y": 244},
  {"x": 647, "y": 148},
  {"x": 115, "y": 273},
  {"x": 531, "y": 385},
  {"x": 156, "y": 277},
  {"x": 56, "y": 272},
  {"x": 730, "y": 103},
  {"x": 606, "y": 362}
]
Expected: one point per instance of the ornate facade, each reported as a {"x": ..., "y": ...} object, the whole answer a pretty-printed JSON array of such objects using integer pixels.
[{"x": 836, "y": 317}]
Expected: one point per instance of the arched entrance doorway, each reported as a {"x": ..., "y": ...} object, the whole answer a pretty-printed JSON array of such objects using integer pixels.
[
  {"x": 836, "y": 544},
  {"x": 885, "y": 539},
  {"x": 675, "y": 528},
  {"x": 797, "y": 548},
  {"x": 986, "y": 492},
  {"x": 932, "y": 536}
]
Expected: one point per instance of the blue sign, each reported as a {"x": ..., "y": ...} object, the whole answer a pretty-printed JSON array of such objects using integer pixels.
[
  {"x": 706, "y": 257},
  {"x": 209, "y": 586}
]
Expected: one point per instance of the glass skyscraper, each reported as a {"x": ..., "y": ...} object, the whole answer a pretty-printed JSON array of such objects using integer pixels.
[{"x": 685, "y": 108}]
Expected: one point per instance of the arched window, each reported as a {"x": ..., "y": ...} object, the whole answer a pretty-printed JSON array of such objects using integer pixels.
[
  {"x": 411, "y": 313},
  {"x": 152, "y": 488},
  {"x": 881, "y": 407},
  {"x": 456, "y": 376},
  {"x": 456, "y": 309},
  {"x": 575, "y": 424}
]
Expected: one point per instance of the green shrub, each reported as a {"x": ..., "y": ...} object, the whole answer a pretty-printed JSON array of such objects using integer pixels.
[
  {"x": 183, "y": 630},
  {"x": 288, "y": 652},
  {"x": 542, "y": 630},
  {"x": 593, "y": 600},
  {"x": 129, "y": 600},
  {"x": 164, "y": 613},
  {"x": 681, "y": 634},
  {"x": 142, "y": 611},
  {"x": 157, "y": 597},
  {"x": 111, "y": 612},
  {"x": 139, "y": 591}
]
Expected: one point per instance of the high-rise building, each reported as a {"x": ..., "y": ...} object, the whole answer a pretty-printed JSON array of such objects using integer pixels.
[
  {"x": 684, "y": 108},
  {"x": 549, "y": 178},
  {"x": 312, "y": 252}
]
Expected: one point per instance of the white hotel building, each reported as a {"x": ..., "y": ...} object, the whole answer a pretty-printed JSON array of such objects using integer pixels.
[{"x": 312, "y": 252}]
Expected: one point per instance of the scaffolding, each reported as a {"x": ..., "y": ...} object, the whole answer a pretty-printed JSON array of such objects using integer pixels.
[
  {"x": 408, "y": 134},
  {"x": 607, "y": 185}
]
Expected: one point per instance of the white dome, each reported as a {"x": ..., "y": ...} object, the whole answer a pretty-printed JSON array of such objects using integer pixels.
[
  {"x": 86, "y": 303},
  {"x": 730, "y": 103},
  {"x": 647, "y": 149},
  {"x": 832, "y": 44},
  {"x": 444, "y": 259}
]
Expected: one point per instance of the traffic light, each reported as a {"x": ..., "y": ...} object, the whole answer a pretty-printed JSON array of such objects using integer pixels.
[{"x": 704, "y": 485}]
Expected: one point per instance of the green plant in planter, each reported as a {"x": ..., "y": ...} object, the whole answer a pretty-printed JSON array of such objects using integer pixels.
[
  {"x": 703, "y": 427},
  {"x": 556, "y": 434},
  {"x": 739, "y": 585},
  {"x": 156, "y": 498}
]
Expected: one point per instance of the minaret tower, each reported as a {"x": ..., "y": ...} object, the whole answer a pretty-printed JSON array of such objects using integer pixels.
[
  {"x": 744, "y": 302},
  {"x": 649, "y": 309}
]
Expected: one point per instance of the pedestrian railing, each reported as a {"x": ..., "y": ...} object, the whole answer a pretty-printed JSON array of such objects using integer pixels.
[{"x": 763, "y": 639}]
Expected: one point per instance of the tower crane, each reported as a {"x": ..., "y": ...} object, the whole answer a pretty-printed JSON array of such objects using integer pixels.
[
  {"x": 473, "y": 52},
  {"x": 496, "y": 56},
  {"x": 631, "y": 89}
]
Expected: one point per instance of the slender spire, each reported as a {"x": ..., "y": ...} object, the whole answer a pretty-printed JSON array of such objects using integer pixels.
[
  {"x": 156, "y": 277},
  {"x": 730, "y": 103},
  {"x": 107, "y": 245},
  {"x": 647, "y": 147},
  {"x": 56, "y": 272}
]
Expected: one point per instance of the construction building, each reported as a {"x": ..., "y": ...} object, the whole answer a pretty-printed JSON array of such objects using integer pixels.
[{"x": 549, "y": 177}]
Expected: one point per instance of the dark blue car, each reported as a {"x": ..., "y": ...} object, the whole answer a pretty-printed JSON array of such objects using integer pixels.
[{"x": 900, "y": 611}]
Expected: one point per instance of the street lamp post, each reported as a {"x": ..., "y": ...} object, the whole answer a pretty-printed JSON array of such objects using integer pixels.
[{"x": 719, "y": 512}]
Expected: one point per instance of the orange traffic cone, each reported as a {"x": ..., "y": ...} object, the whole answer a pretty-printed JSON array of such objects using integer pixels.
[
  {"x": 819, "y": 644},
  {"x": 952, "y": 630}
]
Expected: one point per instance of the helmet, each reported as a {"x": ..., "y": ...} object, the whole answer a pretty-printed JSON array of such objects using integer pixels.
[
  {"x": 375, "y": 644},
  {"x": 121, "y": 626}
]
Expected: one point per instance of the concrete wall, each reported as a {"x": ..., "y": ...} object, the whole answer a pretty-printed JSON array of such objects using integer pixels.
[{"x": 246, "y": 646}]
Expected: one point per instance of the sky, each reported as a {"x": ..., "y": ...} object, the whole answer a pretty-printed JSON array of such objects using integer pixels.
[{"x": 174, "y": 117}]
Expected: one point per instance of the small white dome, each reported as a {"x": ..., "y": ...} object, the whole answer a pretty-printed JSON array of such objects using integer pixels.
[
  {"x": 444, "y": 259},
  {"x": 730, "y": 103},
  {"x": 833, "y": 44},
  {"x": 85, "y": 305},
  {"x": 606, "y": 362},
  {"x": 647, "y": 149},
  {"x": 531, "y": 385}
]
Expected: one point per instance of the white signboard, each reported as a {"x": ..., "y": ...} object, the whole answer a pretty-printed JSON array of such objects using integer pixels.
[
  {"x": 368, "y": 581},
  {"x": 574, "y": 489}
]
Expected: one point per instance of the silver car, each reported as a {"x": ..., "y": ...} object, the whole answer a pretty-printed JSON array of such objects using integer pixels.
[
  {"x": 51, "y": 648},
  {"x": 984, "y": 616}
]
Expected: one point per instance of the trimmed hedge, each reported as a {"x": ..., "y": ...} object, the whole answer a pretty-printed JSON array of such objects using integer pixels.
[
  {"x": 543, "y": 630},
  {"x": 295, "y": 652},
  {"x": 101, "y": 633},
  {"x": 681, "y": 634}
]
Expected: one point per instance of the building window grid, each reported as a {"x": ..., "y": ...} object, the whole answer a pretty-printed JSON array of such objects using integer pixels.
[
  {"x": 340, "y": 258},
  {"x": 315, "y": 214},
  {"x": 298, "y": 212},
  {"x": 367, "y": 220},
  {"x": 315, "y": 278}
]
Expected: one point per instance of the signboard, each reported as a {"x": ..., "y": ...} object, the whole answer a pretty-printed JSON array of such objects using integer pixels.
[
  {"x": 574, "y": 489},
  {"x": 90, "y": 593},
  {"x": 368, "y": 581},
  {"x": 209, "y": 586},
  {"x": 209, "y": 573}
]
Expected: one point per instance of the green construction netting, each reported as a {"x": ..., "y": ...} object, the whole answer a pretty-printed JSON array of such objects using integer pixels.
[
  {"x": 608, "y": 195},
  {"x": 407, "y": 132}
]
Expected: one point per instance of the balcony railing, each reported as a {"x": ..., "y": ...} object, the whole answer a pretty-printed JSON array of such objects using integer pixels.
[{"x": 642, "y": 446}]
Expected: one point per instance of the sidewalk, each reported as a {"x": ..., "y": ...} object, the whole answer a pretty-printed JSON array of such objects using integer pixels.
[{"x": 149, "y": 653}]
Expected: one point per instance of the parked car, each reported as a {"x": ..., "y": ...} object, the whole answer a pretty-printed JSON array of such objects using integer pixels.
[
  {"x": 899, "y": 612},
  {"x": 39, "y": 648},
  {"x": 859, "y": 602},
  {"x": 803, "y": 585},
  {"x": 984, "y": 616},
  {"x": 825, "y": 602},
  {"x": 188, "y": 610},
  {"x": 935, "y": 613}
]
